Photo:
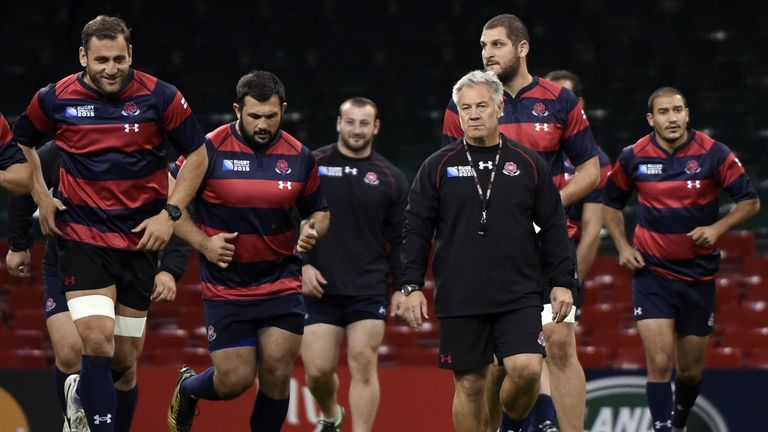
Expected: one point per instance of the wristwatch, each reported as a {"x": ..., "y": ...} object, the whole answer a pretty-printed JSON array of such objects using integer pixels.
[
  {"x": 174, "y": 212},
  {"x": 408, "y": 289}
]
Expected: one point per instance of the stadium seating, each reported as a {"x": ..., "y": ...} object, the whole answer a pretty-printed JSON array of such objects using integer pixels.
[
  {"x": 723, "y": 358},
  {"x": 592, "y": 357}
]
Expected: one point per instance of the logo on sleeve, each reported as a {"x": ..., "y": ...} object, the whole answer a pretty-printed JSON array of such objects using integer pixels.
[
  {"x": 281, "y": 167},
  {"x": 692, "y": 167},
  {"x": 540, "y": 110},
  {"x": 329, "y": 171},
  {"x": 511, "y": 169},
  {"x": 650, "y": 169},
  {"x": 236, "y": 165},
  {"x": 130, "y": 109}
]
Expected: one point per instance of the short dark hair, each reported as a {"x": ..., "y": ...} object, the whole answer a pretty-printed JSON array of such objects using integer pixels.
[
  {"x": 105, "y": 27},
  {"x": 515, "y": 27},
  {"x": 565, "y": 75},
  {"x": 361, "y": 102},
  {"x": 260, "y": 85},
  {"x": 664, "y": 91}
]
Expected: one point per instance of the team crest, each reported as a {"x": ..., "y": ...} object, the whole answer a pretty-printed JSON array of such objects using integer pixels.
[
  {"x": 540, "y": 110},
  {"x": 371, "y": 178},
  {"x": 540, "y": 340},
  {"x": 211, "y": 334},
  {"x": 130, "y": 109},
  {"x": 692, "y": 167},
  {"x": 49, "y": 304},
  {"x": 510, "y": 169},
  {"x": 282, "y": 167}
]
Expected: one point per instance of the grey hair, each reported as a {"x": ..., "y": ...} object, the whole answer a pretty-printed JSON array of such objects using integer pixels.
[{"x": 479, "y": 77}]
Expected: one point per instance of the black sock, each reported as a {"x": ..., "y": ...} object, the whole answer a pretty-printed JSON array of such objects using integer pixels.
[
  {"x": 200, "y": 386},
  {"x": 508, "y": 424},
  {"x": 659, "y": 396},
  {"x": 126, "y": 405},
  {"x": 59, "y": 377},
  {"x": 685, "y": 398},
  {"x": 97, "y": 393},
  {"x": 268, "y": 414}
]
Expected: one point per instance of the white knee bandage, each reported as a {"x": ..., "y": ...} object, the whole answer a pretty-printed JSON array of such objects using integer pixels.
[
  {"x": 129, "y": 327},
  {"x": 546, "y": 315},
  {"x": 90, "y": 305}
]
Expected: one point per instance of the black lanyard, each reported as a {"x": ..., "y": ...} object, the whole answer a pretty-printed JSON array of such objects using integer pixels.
[{"x": 487, "y": 196}]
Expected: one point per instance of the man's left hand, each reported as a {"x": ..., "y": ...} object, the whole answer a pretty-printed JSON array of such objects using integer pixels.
[
  {"x": 562, "y": 301},
  {"x": 705, "y": 236},
  {"x": 157, "y": 232},
  {"x": 165, "y": 287},
  {"x": 395, "y": 304},
  {"x": 308, "y": 237}
]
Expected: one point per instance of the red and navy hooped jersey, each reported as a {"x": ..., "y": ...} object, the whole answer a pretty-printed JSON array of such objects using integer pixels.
[
  {"x": 544, "y": 117},
  {"x": 596, "y": 196},
  {"x": 10, "y": 153},
  {"x": 676, "y": 193},
  {"x": 113, "y": 168},
  {"x": 254, "y": 191}
]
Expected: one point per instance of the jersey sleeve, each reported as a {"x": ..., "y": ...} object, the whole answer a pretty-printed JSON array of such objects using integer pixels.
[
  {"x": 311, "y": 198},
  {"x": 10, "y": 153},
  {"x": 177, "y": 122},
  {"x": 620, "y": 181},
  {"x": 36, "y": 123},
  {"x": 577, "y": 141},
  {"x": 393, "y": 226},
  {"x": 420, "y": 221},
  {"x": 451, "y": 125},
  {"x": 732, "y": 177},
  {"x": 597, "y": 195}
]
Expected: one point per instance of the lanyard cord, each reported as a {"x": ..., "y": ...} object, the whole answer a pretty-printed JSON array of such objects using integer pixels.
[{"x": 484, "y": 198}]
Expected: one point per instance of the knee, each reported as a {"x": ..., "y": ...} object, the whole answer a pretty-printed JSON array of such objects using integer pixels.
[
  {"x": 561, "y": 347},
  {"x": 69, "y": 358},
  {"x": 362, "y": 364},
  {"x": 126, "y": 378},
  {"x": 471, "y": 386},
  {"x": 525, "y": 374},
  {"x": 659, "y": 365},
  {"x": 97, "y": 341},
  {"x": 690, "y": 374},
  {"x": 232, "y": 384},
  {"x": 319, "y": 372}
]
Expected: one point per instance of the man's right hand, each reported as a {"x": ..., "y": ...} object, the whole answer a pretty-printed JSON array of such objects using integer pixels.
[
  {"x": 312, "y": 281},
  {"x": 218, "y": 250},
  {"x": 631, "y": 259},
  {"x": 412, "y": 308},
  {"x": 19, "y": 264},
  {"x": 48, "y": 206}
]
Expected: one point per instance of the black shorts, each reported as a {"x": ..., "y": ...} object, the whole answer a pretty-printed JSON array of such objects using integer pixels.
[
  {"x": 236, "y": 323},
  {"x": 690, "y": 304},
  {"x": 55, "y": 301},
  {"x": 469, "y": 343},
  {"x": 86, "y": 267},
  {"x": 342, "y": 311}
]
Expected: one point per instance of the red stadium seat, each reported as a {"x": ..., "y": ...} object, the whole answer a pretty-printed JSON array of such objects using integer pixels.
[
  {"x": 592, "y": 357},
  {"x": 388, "y": 355},
  {"x": 756, "y": 313},
  {"x": 15, "y": 339},
  {"x": 24, "y": 358},
  {"x": 602, "y": 315},
  {"x": 401, "y": 336},
  {"x": 755, "y": 265},
  {"x": 745, "y": 339},
  {"x": 728, "y": 289},
  {"x": 192, "y": 317},
  {"x": 723, "y": 357},
  {"x": 755, "y": 288},
  {"x": 611, "y": 339},
  {"x": 419, "y": 357},
  {"x": 735, "y": 246},
  {"x": 629, "y": 358},
  {"x": 30, "y": 319},
  {"x": 23, "y": 297},
  {"x": 759, "y": 358},
  {"x": 198, "y": 358},
  {"x": 192, "y": 273},
  {"x": 166, "y": 339},
  {"x": 429, "y": 333}
]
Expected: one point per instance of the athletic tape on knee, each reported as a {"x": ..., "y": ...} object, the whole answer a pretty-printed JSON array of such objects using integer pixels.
[
  {"x": 546, "y": 315},
  {"x": 129, "y": 326},
  {"x": 91, "y": 305}
]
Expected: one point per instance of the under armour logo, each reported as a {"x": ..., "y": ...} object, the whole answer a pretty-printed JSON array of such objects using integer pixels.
[
  {"x": 542, "y": 126},
  {"x": 638, "y": 311},
  {"x": 131, "y": 127},
  {"x": 694, "y": 184},
  {"x": 350, "y": 170},
  {"x": 485, "y": 165},
  {"x": 284, "y": 185},
  {"x": 69, "y": 280},
  {"x": 661, "y": 424},
  {"x": 98, "y": 419},
  {"x": 446, "y": 359}
]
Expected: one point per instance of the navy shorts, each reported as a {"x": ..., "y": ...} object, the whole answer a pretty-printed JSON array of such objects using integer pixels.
[
  {"x": 55, "y": 302},
  {"x": 342, "y": 311},
  {"x": 470, "y": 342},
  {"x": 690, "y": 304},
  {"x": 86, "y": 267},
  {"x": 236, "y": 323}
]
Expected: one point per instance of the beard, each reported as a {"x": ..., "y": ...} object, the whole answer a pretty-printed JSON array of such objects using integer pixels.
[
  {"x": 509, "y": 72},
  {"x": 366, "y": 144},
  {"x": 250, "y": 139},
  {"x": 97, "y": 83}
]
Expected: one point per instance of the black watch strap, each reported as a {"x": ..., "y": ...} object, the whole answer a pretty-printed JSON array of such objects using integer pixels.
[{"x": 174, "y": 212}]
